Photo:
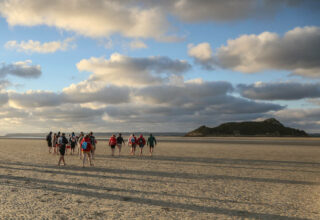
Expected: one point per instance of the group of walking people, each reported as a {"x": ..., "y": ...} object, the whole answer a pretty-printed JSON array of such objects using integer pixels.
[
  {"x": 60, "y": 144},
  {"x": 133, "y": 142},
  {"x": 86, "y": 145}
]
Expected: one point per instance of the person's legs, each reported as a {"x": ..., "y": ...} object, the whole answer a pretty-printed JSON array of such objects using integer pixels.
[
  {"x": 90, "y": 161},
  {"x": 60, "y": 159},
  {"x": 141, "y": 148},
  {"x": 112, "y": 150},
  {"x": 92, "y": 152},
  {"x": 84, "y": 159},
  {"x": 134, "y": 149},
  {"x": 119, "y": 148},
  {"x": 151, "y": 150},
  {"x": 64, "y": 162}
]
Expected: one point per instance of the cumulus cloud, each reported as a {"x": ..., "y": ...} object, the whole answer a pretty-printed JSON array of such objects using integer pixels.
[
  {"x": 136, "y": 18},
  {"x": 194, "y": 101},
  {"x": 137, "y": 44},
  {"x": 74, "y": 94},
  {"x": 300, "y": 118},
  {"x": 23, "y": 69},
  {"x": 297, "y": 51},
  {"x": 228, "y": 10},
  {"x": 202, "y": 53},
  {"x": 38, "y": 47},
  {"x": 183, "y": 106},
  {"x": 3, "y": 98},
  {"x": 131, "y": 71},
  {"x": 280, "y": 90},
  {"x": 90, "y": 18},
  {"x": 31, "y": 99},
  {"x": 4, "y": 84},
  {"x": 190, "y": 92},
  {"x": 86, "y": 92}
]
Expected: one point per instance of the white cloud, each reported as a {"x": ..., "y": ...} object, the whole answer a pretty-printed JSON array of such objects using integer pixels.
[
  {"x": 297, "y": 51},
  {"x": 137, "y": 44},
  {"x": 130, "y": 71},
  {"x": 300, "y": 118},
  {"x": 3, "y": 98},
  {"x": 4, "y": 84},
  {"x": 23, "y": 69},
  {"x": 38, "y": 47},
  {"x": 96, "y": 19},
  {"x": 74, "y": 94},
  {"x": 202, "y": 53}
]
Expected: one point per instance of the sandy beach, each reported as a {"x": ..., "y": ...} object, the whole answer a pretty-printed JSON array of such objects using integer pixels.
[{"x": 185, "y": 179}]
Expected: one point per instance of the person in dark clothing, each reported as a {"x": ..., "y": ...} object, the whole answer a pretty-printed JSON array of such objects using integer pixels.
[
  {"x": 49, "y": 140},
  {"x": 93, "y": 144},
  {"x": 62, "y": 149},
  {"x": 141, "y": 142},
  {"x": 73, "y": 142},
  {"x": 151, "y": 143},
  {"x": 120, "y": 141}
]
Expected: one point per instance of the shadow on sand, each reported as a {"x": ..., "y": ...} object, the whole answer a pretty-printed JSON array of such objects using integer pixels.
[
  {"x": 82, "y": 189},
  {"x": 222, "y": 161},
  {"x": 162, "y": 174}
]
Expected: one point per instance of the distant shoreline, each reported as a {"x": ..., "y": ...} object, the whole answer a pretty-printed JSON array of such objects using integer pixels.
[{"x": 263, "y": 141}]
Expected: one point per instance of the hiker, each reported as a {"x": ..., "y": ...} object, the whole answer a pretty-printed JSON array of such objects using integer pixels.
[
  {"x": 152, "y": 142},
  {"x": 119, "y": 142},
  {"x": 141, "y": 142},
  {"x": 93, "y": 144},
  {"x": 63, "y": 141},
  {"x": 58, "y": 137},
  {"x": 132, "y": 141},
  {"x": 112, "y": 143},
  {"x": 86, "y": 149},
  {"x": 55, "y": 143},
  {"x": 49, "y": 140},
  {"x": 68, "y": 145},
  {"x": 73, "y": 142},
  {"x": 81, "y": 136}
]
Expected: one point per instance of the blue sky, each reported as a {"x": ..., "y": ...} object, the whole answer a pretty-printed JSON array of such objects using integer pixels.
[{"x": 72, "y": 66}]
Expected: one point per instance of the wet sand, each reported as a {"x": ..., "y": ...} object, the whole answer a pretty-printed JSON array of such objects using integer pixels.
[{"x": 222, "y": 178}]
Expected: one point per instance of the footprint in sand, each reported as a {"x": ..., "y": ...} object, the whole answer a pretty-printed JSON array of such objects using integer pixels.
[
  {"x": 126, "y": 198},
  {"x": 79, "y": 201},
  {"x": 98, "y": 214},
  {"x": 166, "y": 209}
]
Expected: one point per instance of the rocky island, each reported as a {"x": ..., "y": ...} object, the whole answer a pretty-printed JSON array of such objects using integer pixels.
[{"x": 269, "y": 128}]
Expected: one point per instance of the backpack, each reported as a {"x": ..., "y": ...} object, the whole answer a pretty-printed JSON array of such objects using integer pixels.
[
  {"x": 133, "y": 140},
  {"x": 140, "y": 141},
  {"x": 84, "y": 145},
  {"x": 48, "y": 137},
  {"x": 113, "y": 141}
]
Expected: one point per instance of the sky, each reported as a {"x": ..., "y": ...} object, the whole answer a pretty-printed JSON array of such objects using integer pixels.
[{"x": 160, "y": 66}]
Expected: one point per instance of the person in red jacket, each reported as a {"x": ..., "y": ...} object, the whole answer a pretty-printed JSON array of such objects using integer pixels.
[
  {"x": 141, "y": 142},
  {"x": 113, "y": 143},
  {"x": 86, "y": 149}
]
